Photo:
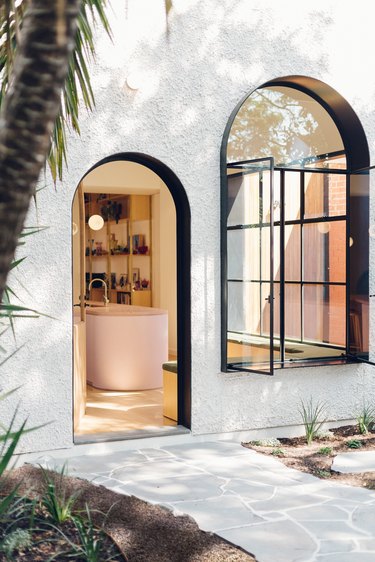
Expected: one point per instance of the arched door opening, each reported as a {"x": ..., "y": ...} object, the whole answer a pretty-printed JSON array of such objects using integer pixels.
[
  {"x": 131, "y": 301},
  {"x": 295, "y": 224}
]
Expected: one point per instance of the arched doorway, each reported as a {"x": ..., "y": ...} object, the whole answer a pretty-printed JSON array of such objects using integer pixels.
[
  {"x": 295, "y": 223},
  {"x": 136, "y": 200}
]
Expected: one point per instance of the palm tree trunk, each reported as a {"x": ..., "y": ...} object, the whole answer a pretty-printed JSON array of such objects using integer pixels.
[{"x": 29, "y": 111}]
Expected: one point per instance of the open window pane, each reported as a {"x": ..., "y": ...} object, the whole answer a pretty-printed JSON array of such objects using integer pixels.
[
  {"x": 244, "y": 308},
  {"x": 266, "y": 197},
  {"x": 293, "y": 316},
  {"x": 243, "y": 197},
  {"x": 292, "y": 196},
  {"x": 244, "y": 254},
  {"x": 249, "y": 260},
  {"x": 292, "y": 250},
  {"x": 265, "y": 251}
]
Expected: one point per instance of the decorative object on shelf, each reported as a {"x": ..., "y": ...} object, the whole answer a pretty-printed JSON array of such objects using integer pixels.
[
  {"x": 112, "y": 210},
  {"x": 96, "y": 222},
  {"x": 113, "y": 244},
  {"x": 123, "y": 279},
  {"x": 93, "y": 250},
  {"x": 113, "y": 280},
  {"x": 138, "y": 242},
  {"x": 144, "y": 283},
  {"x": 135, "y": 275},
  {"x": 143, "y": 250},
  {"x": 99, "y": 248}
]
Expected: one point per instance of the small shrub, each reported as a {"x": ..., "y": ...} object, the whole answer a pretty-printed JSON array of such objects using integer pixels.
[
  {"x": 278, "y": 452},
  {"x": 325, "y": 435},
  {"x": 354, "y": 444},
  {"x": 325, "y": 451},
  {"x": 320, "y": 473},
  {"x": 312, "y": 415},
  {"x": 19, "y": 539},
  {"x": 366, "y": 419},
  {"x": 58, "y": 505},
  {"x": 270, "y": 442}
]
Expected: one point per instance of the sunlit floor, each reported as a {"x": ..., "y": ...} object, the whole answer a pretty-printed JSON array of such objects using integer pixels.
[{"x": 111, "y": 411}]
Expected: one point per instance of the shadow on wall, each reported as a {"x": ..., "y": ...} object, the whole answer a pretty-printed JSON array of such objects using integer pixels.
[{"x": 194, "y": 75}]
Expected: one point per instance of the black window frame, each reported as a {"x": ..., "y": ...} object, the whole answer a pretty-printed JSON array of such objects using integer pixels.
[{"x": 357, "y": 156}]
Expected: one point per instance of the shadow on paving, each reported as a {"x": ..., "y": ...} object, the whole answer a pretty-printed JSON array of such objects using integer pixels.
[{"x": 143, "y": 531}]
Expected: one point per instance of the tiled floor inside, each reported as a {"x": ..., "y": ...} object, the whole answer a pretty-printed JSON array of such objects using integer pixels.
[{"x": 113, "y": 411}]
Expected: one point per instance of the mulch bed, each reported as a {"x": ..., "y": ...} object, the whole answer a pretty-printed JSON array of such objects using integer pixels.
[
  {"x": 317, "y": 458},
  {"x": 143, "y": 532}
]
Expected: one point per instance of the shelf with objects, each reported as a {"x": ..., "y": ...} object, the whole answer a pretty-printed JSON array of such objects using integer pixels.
[{"x": 118, "y": 238}]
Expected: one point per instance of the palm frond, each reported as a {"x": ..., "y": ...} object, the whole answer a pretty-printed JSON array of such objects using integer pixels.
[{"x": 78, "y": 83}]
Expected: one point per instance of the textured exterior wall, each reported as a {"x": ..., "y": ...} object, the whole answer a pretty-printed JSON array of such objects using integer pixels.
[{"x": 190, "y": 80}]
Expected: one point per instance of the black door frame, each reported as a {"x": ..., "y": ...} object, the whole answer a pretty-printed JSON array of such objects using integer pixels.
[{"x": 183, "y": 261}]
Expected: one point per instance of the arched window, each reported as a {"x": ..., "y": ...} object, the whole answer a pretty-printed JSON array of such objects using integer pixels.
[{"x": 295, "y": 223}]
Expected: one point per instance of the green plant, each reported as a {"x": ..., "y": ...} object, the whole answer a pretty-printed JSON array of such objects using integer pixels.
[
  {"x": 77, "y": 84},
  {"x": 312, "y": 418},
  {"x": 55, "y": 500},
  {"x": 366, "y": 419},
  {"x": 270, "y": 442},
  {"x": 278, "y": 452},
  {"x": 325, "y": 451},
  {"x": 354, "y": 444},
  {"x": 320, "y": 473},
  {"x": 9, "y": 440},
  {"x": 90, "y": 538},
  {"x": 19, "y": 539}
]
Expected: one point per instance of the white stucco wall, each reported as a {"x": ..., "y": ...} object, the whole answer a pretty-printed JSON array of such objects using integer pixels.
[{"x": 190, "y": 80}]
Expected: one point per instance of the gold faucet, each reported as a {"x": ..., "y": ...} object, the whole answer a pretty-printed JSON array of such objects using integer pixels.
[{"x": 105, "y": 298}]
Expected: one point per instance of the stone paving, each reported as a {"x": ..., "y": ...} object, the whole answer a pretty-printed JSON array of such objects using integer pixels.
[
  {"x": 360, "y": 461},
  {"x": 254, "y": 501}
]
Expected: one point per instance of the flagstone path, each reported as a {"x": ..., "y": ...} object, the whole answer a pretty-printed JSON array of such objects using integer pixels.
[{"x": 252, "y": 500}]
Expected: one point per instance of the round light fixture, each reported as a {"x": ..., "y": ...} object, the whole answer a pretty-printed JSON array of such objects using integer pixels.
[
  {"x": 351, "y": 241},
  {"x": 134, "y": 80},
  {"x": 96, "y": 222}
]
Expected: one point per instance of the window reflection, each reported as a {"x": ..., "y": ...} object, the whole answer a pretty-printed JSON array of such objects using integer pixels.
[{"x": 287, "y": 124}]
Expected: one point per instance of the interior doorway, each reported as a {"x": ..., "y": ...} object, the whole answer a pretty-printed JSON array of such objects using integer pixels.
[{"x": 131, "y": 282}]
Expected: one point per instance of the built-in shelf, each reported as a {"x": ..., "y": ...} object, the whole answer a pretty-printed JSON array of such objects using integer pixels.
[{"x": 131, "y": 230}]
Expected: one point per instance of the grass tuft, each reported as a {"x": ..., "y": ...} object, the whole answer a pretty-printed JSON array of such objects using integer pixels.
[
  {"x": 354, "y": 444},
  {"x": 312, "y": 417},
  {"x": 366, "y": 419},
  {"x": 326, "y": 451}
]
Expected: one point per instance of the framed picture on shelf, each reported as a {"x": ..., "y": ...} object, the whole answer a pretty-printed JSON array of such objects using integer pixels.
[
  {"x": 123, "y": 279},
  {"x": 135, "y": 275}
]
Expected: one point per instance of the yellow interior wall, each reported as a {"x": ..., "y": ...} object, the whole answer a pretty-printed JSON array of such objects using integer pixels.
[{"x": 164, "y": 276}]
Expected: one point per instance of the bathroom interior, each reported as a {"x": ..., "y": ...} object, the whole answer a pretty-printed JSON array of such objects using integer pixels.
[{"x": 124, "y": 304}]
